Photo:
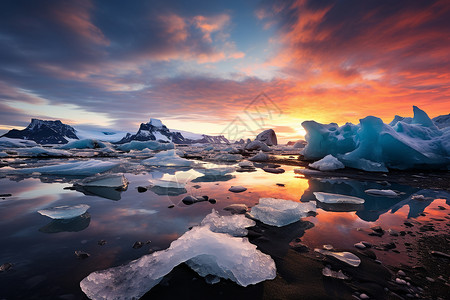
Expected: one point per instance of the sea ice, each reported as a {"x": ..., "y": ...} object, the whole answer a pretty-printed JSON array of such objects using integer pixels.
[
  {"x": 280, "y": 212},
  {"x": 405, "y": 143},
  {"x": 16, "y": 143},
  {"x": 42, "y": 152},
  {"x": 64, "y": 212},
  {"x": 227, "y": 157},
  {"x": 334, "y": 274},
  {"x": 387, "y": 193},
  {"x": 170, "y": 184},
  {"x": 346, "y": 257},
  {"x": 328, "y": 163},
  {"x": 73, "y": 168},
  {"x": 233, "y": 225},
  {"x": 257, "y": 145},
  {"x": 337, "y": 198},
  {"x": 106, "y": 180},
  {"x": 141, "y": 145},
  {"x": 216, "y": 171},
  {"x": 167, "y": 158},
  {"x": 205, "y": 251},
  {"x": 84, "y": 144},
  {"x": 260, "y": 156}
]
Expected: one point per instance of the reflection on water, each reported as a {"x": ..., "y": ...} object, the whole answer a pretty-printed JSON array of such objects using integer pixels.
[
  {"x": 70, "y": 225},
  {"x": 45, "y": 265}
]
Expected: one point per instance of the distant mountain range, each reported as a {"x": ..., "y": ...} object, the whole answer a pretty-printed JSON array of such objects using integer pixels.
[{"x": 56, "y": 132}]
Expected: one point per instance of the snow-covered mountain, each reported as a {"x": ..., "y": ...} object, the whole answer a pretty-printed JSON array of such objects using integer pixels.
[
  {"x": 155, "y": 130},
  {"x": 44, "y": 132}
]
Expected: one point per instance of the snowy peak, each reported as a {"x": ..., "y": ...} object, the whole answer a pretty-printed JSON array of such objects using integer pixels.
[
  {"x": 45, "y": 132},
  {"x": 155, "y": 130}
]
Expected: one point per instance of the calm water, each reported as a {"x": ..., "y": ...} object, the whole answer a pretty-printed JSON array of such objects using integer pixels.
[{"x": 42, "y": 250}]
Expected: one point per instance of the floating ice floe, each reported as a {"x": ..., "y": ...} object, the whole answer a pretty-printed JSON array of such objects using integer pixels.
[
  {"x": 42, "y": 152},
  {"x": 372, "y": 145},
  {"x": 307, "y": 172},
  {"x": 233, "y": 225},
  {"x": 205, "y": 251},
  {"x": 227, "y": 157},
  {"x": 387, "y": 193},
  {"x": 168, "y": 158},
  {"x": 257, "y": 145},
  {"x": 16, "y": 143},
  {"x": 117, "y": 181},
  {"x": 84, "y": 144},
  {"x": 246, "y": 164},
  {"x": 346, "y": 257},
  {"x": 260, "y": 156},
  {"x": 72, "y": 168},
  {"x": 337, "y": 198},
  {"x": 141, "y": 145},
  {"x": 170, "y": 184},
  {"x": 328, "y": 163},
  {"x": 216, "y": 171},
  {"x": 64, "y": 212},
  {"x": 280, "y": 212}
]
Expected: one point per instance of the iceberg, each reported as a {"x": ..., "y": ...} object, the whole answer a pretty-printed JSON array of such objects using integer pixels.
[
  {"x": 64, "y": 212},
  {"x": 337, "y": 198},
  {"x": 346, "y": 257},
  {"x": 257, "y": 145},
  {"x": 234, "y": 225},
  {"x": 205, "y": 251},
  {"x": 42, "y": 152},
  {"x": 168, "y": 158},
  {"x": 6, "y": 142},
  {"x": 328, "y": 163},
  {"x": 387, "y": 193},
  {"x": 73, "y": 168},
  {"x": 83, "y": 144},
  {"x": 141, "y": 145},
  {"x": 372, "y": 145},
  {"x": 280, "y": 212},
  {"x": 260, "y": 156},
  {"x": 117, "y": 181}
]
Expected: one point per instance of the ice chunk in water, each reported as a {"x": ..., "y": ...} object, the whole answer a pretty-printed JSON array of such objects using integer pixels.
[
  {"x": 207, "y": 252},
  {"x": 328, "y": 163},
  {"x": 216, "y": 171},
  {"x": 64, "y": 212},
  {"x": 141, "y": 145},
  {"x": 346, "y": 257},
  {"x": 42, "y": 152},
  {"x": 167, "y": 158},
  {"x": 387, "y": 193},
  {"x": 280, "y": 212},
  {"x": 337, "y": 198},
  {"x": 261, "y": 156},
  {"x": 334, "y": 274},
  {"x": 76, "y": 168},
  {"x": 106, "y": 180},
  {"x": 233, "y": 225},
  {"x": 170, "y": 184},
  {"x": 83, "y": 144}
]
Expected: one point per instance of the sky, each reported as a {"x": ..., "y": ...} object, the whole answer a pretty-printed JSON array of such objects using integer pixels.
[{"x": 222, "y": 67}]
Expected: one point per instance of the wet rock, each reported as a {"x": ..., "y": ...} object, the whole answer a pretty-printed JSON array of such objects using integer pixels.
[
  {"x": 5, "y": 267},
  {"x": 280, "y": 184},
  {"x": 237, "y": 189},
  {"x": 141, "y": 189},
  {"x": 328, "y": 247},
  {"x": 367, "y": 244},
  {"x": 408, "y": 224},
  {"x": 400, "y": 281},
  {"x": 212, "y": 201},
  {"x": 188, "y": 200},
  {"x": 360, "y": 245},
  {"x": 101, "y": 242},
  {"x": 389, "y": 246},
  {"x": 401, "y": 273},
  {"x": 171, "y": 206},
  {"x": 237, "y": 209},
  {"x": 138, "y": 245},
  {"x": 364, "y": 296},
  {"x": 274, "y": 170},
  {"x": 5, "y": 195},
  {"x": 82, "y": 254},
  {"x": 392, "y": 232}
]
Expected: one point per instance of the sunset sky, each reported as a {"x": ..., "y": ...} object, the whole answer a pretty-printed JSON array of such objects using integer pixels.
[{"x": 197, "y": 65}]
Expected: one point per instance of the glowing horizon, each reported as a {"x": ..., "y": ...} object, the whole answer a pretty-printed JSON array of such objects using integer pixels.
[{"x": 197, "y": 66}]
